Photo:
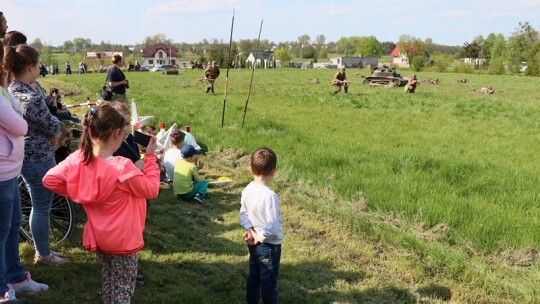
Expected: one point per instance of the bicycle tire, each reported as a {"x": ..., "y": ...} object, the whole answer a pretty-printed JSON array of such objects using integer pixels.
[{"x": 62, "y": 216}]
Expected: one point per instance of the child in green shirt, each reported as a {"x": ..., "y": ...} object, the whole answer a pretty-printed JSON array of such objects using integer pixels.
[{"x": 187, "y": 184}]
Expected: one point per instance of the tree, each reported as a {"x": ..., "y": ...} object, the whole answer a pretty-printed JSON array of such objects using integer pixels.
[
  {"x": 282, "y": 54},
  {"x": 347, "y": 45},
  {"x": 68, "y": 47},
  {"x": 410, "y": 45},
  {"x": 156, "y": 38},
  {"x": 37, "y": 44},
  {"x": 369, "y": 46},
  {"x": 304, "y": 39},
  {"x": 520, "y": 46},
  {"x": 320, "y": 40},
  {"x": 471, "y": 50},
  {"x": 387, "y": 47}
]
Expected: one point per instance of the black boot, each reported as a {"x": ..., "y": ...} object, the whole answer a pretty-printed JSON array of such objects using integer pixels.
[
  {"x": 346, "y": 90},
  {"x": 208, "y": 90}
]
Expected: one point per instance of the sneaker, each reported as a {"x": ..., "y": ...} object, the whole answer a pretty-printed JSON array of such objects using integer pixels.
[
  {"x": 52, "y": 259},
  {"x": 8, "y": 296},
  {"x": 199, "y": 198},
  {"x": 28, "y": 285}
]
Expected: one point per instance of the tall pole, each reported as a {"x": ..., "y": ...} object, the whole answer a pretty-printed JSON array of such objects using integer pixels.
[
  {"x": 227, "y": 75},
  {"x": 252, "y": 71}
]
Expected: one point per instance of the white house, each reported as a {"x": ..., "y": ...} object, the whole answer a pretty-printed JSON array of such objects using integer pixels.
[
  {"x": 160, "y": 53},
  {"x": 399, "y": 59},
  {"x": 263, "y": 60},
  {"x": 354, "y": 62}
]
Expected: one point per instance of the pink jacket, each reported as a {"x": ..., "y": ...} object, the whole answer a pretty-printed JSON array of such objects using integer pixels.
[
  {"x": 113, "y": 193},
  {"x": 13, "y": 127}
]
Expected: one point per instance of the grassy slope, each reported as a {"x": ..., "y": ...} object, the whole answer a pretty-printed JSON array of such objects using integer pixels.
[{"x": 388, "y": 198}]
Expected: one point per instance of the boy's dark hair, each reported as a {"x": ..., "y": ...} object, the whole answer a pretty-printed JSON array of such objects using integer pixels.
[
  {"x": 263, "y": 161},
  {"x": 99, "y": 123},
  {"x": 177, "y": 137}
]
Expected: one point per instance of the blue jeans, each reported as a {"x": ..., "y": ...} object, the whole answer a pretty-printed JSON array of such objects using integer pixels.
[
  {"x": 263, "y": 275},
  {"x": 33, "y": 173},
  {"x": 11, "y": 270}
]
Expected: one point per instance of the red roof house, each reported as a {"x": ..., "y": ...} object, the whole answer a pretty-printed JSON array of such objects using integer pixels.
[{"x": 160, "y": 53}]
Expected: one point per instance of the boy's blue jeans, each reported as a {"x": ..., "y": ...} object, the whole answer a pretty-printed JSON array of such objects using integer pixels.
[
  {"x": 11, "y": 270},
  {"x": 264, "y": 260},
  {"x": 198, "y": 187},
  {"x": 33, "y": 173}
]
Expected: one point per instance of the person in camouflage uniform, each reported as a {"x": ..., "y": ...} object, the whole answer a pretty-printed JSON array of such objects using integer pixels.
[
  {"x": 211, "y": 74},
  {"x": 340, "y": 80}
]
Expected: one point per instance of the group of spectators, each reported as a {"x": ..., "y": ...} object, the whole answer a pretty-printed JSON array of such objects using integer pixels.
[
  {"x": 28, "y": 136},
  {"x": 31, "y": 131},
  {"x": 109, "y": 177}
]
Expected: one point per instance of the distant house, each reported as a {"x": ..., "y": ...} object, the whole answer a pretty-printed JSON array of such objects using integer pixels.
[
  {"x": 263, "y": 60},
  {"x": 399, "y": 59},
  {"x": 354, "y": 62},
  {"x": 160, "y": 53}
]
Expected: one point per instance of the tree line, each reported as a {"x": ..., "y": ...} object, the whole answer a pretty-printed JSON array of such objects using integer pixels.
[{"x": 495, "y": 53}]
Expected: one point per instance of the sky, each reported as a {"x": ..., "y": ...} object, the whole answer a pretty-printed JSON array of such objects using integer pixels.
[{"x": 448, "y": 22}]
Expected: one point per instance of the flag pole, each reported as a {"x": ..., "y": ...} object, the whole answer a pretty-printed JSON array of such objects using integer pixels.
[
  {"x": 252, "y": 71},
  {"x": 227, "y": 75}
]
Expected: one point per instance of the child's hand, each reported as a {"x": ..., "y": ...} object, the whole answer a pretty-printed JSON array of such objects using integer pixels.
[
  {"x": 151, "y": 148},
  {"x": 200, "y": 165},
  {"x": 248, "y": 237}
]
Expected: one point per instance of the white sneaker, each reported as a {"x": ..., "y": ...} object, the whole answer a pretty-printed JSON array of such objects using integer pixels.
[
  {"x": 8, "y": 296},
  {"x": 28, "y": 285}
]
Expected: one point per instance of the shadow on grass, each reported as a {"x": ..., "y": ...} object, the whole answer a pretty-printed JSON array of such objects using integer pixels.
[{"x": 176, "y": 226}]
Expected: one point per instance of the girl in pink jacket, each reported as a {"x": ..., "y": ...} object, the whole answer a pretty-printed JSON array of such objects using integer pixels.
[{"x": 113, "y": 193}]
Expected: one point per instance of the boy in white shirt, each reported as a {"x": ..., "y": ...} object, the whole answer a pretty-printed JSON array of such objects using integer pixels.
[{"x": 260, "y": 216}]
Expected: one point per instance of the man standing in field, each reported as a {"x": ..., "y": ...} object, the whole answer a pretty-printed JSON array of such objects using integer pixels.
[
  {"x": 211, "y": 74},
  {"x": 340, "y": 80}
]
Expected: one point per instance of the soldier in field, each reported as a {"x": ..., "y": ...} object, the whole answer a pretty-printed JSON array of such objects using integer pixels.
[
  {"x": 211, "y": 74},
  {"x": 411, "y": 85},
  {"x": 340, "y": 80}
]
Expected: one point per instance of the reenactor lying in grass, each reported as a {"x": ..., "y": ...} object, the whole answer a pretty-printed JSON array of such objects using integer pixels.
[
  {"x": 462, "y": 80},
  {"x": 487, "y": 90},
  {"x": 314, "y": 81}
]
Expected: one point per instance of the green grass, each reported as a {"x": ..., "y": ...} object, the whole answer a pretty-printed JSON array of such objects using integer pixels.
[{"x": 387, "y": 197}]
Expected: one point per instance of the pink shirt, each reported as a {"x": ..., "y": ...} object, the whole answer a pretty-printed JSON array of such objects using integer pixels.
[{"x": 113, "y": 193}]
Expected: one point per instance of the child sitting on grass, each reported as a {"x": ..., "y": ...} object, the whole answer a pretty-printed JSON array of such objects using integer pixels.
[
  {"x": 173, "y": 154},
  {"x": 187, "y": 184}
]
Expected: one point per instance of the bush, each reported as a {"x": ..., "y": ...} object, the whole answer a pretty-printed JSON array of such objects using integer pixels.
[
  {"x": 496, "y": 66},
  {"x": 417, "y": 63},
  {"x": 463, "y": 68}
]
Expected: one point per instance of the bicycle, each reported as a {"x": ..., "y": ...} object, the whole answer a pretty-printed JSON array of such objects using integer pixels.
[{"x": 62, "y": 216}]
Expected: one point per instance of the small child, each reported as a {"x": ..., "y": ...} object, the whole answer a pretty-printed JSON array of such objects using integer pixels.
[
  {"x": 57, "y": 109},
  {"x": 260, "y": 216},
  {"x": 187, "y": 184},
  {"x": 113, "y": 192},
  {"x": 173, "y": 154}
]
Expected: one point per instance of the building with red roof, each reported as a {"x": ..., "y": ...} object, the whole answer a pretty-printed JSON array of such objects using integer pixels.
[{"x": 160, "y": 53}]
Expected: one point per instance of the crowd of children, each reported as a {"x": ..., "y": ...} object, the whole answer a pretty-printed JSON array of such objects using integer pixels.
[{"x": 113, "y": 178}]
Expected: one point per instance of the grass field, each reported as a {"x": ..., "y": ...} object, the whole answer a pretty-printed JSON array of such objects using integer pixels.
[{"x": 387, "y": 197}]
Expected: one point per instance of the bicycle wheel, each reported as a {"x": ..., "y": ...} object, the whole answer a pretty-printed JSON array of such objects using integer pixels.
[{"x": 62, "y": 217}]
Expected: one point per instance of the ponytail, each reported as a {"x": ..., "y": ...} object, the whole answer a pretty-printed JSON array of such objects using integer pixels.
[{"x": 99, "y": 124}]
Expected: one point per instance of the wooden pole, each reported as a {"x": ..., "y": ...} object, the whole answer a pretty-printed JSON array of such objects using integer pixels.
[
  {"x": 227, "y": 75},
  {"x": 252, "y": 71}
]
